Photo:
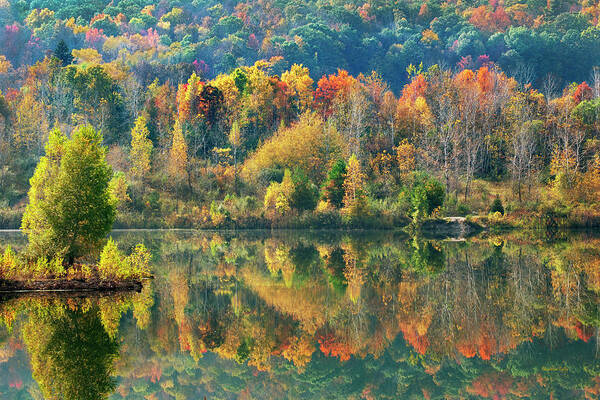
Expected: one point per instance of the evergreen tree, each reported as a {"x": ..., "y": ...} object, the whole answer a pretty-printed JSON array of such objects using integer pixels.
[{"x": 63, "y": 53}]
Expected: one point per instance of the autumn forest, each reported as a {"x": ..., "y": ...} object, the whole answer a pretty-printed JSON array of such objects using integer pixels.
[{"x": 260, "y": 114}]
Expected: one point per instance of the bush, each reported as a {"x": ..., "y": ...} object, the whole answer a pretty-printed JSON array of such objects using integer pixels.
[
  {"x": 358, "y": 214},
  {"x": 111, "y": 261},
  {"x": 427, "y": 194},
  {"x": 14, "y": 267},
  {"x": 278, "y": 194},
  {"x": 113, "y": 265},
  {"x": 9, "y": 264}
]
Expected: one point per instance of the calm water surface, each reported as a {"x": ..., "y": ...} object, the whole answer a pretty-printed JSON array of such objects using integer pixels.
[{"x": 319, "y": 316}]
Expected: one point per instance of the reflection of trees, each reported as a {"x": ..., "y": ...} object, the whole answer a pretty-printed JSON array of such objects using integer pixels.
[
  {"x": 71, "y": 354},
  {"x": 71, "y": 342},
  {"x": 335, "y": 308},
  {"x": 390, "y": 318}
]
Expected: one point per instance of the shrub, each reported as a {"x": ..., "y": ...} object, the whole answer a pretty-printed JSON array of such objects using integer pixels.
[
  {"x": 138, "y": 262},
  {"x": 427, "y": 194},
  {"x": 8, "y": 262},
  {"x": 111, "y": 261},
  {"x": 278, "y": 194},
  {"x": 358, "y": 213},
  {"x": 114, "y": 265},
  {"x": 56, "y": 267}
]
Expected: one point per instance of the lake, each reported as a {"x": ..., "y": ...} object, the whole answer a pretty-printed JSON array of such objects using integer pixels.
[{"x": 319, "y": 315}]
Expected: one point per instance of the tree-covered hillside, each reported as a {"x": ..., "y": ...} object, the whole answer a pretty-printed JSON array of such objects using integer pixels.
[
  {"x": 533, "y": 39},
  {"x": 331, "y": 114}
]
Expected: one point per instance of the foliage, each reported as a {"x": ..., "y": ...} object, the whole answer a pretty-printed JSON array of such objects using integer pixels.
[
  {"x": 114, "y": 265},
  {"x": 497, "y": 206},
  {"x": 356, "y": 206},
  {"x": 306, "y": 145},
  {"x": 305, "y": 194},
  {"x": 70, "y": 205},
  {"x": 178, "y": 159},
  {"x": 427, "y": 195},
  {"x": 141, "y": 149},
  {"x": 278, "y": 195},
  {"x": 333, "y": 190},
  {"x": 221, "y": 98}
]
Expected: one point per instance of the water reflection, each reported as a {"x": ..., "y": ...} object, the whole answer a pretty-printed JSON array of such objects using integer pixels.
[{"x": 325, "y": 315}]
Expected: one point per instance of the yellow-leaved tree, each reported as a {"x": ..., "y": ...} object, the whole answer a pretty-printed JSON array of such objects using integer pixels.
[
  {"x": 278, "y": 196},
  {"x": 235, "y": 138},
  {"x": 309, "y": 145},
  {"x": 406, "y": 157},
  {"x": 141, "y": 149},
  {"x": 355, "y": 199},
  {"x": 300, "y": 85},
  {"x": 178, "y": 153}
]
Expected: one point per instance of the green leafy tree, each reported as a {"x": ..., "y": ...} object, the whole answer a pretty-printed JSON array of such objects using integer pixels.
[
  {"x": 71, "y": 209},
  {"x": 333, "y": 191},
  {"x": 427, "y": 194},
  {"x": 305, "y": 194}
]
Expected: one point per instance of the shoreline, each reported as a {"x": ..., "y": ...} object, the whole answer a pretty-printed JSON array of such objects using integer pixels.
[{"x": 17, "y": 287}]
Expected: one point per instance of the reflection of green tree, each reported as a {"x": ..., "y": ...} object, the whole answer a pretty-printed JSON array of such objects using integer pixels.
[
  {"x": 72, "y": 355},
  {"x": 334, "y": 269},
  {"x": 427, "y": 257}
]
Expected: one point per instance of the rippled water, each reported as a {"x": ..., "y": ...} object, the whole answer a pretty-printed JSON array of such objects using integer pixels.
[{"x": 324, "y": 315}]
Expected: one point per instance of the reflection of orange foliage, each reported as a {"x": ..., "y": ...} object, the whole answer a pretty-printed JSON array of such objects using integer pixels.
[
  {"x": 414, "y": 323},
  {"x": 467, "y": 348},
  {"x": 419, "y": 342},
  {"x": 492, "y": 385},
  {"x": 426, "y": 394},
  {"x": 155, "y": 373},
  {"x": 584, "y": 332},
  {"x": 593, "y": 391},
  {"x": 299, "y": 351},
  {"x": 487, "y": 344},
  {"x": 331, "y": 347}
]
